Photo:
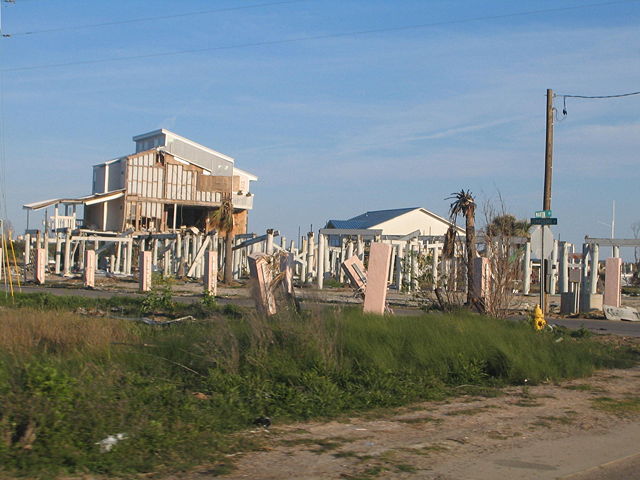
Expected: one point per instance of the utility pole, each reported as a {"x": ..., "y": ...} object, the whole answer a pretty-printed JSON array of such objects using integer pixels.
[
  {"x": 546, "y": 199},
  {"x": 548, "y": 153}
]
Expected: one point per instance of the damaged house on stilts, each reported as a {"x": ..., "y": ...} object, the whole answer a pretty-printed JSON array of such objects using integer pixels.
[{"x": 161, "y": 198}]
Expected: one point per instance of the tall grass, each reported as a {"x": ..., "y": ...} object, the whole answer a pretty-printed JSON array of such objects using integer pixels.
[
  {"x": 67, "y": 381},
  {"x": 29, "y": 331}
]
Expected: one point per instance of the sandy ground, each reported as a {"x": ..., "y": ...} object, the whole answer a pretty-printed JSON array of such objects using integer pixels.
[
  {"x": 240, "y": 293},
  {"x": 542, "y": 432}
]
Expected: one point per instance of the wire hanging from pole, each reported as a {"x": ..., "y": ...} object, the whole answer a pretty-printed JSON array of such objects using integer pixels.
[
  {"x": 588, "y": 97},
  {"x": 599, "y": 96}
]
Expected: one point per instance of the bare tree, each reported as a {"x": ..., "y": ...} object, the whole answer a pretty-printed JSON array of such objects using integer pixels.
[{"x": 503, "y": 236}]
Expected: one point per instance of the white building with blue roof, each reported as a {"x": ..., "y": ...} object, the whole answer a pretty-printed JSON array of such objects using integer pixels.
[{"x": 397, "y": 222}]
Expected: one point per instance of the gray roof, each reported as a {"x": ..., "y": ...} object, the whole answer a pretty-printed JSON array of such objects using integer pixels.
[{"x": 370, "y": 219}]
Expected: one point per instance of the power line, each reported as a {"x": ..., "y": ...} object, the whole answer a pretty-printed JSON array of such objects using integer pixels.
[
  {"x": 600, "y": 96},
  {"x": 150, "y": 19},
  {"x": 314, "y": 37},
  {"x": 589, "y": 97}
]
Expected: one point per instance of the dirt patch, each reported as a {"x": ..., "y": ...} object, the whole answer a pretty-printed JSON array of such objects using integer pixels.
[{"x": 416, "y": 441}]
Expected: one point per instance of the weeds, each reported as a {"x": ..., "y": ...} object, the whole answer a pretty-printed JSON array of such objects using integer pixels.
[
  {"x": 160, "y": 297},
  {"x": 625, "y": 406},
  {"x": 178, "y": 392}
]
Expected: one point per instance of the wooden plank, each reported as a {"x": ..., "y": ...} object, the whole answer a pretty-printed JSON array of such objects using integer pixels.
[
  {"x": 198, "y": 257},
  {"x": 613, "y": 242},
  {"x": 99, "y": 238}
]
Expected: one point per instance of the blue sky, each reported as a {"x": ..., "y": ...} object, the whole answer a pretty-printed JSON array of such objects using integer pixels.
[{"x": 338, "y": 125}]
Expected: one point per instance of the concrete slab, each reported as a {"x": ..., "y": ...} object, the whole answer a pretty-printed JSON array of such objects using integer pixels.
[
  {"x": 355, "y": 271},
  {"x": 621, "y": 313}
]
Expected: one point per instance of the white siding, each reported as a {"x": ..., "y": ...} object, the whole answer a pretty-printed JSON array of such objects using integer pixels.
[{"x": 412, "y": 221}]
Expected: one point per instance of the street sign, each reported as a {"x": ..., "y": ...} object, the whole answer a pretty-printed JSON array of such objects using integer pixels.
[
  {"x": 544, "y": 221},
  {"x": 543, "y": 214},
  {"x": 537, "y": 232}
]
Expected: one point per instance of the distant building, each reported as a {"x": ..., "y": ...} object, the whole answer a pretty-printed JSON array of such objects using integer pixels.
[
  {"x": 169, "y": 182},
  {"x": 397, "y": 222}
]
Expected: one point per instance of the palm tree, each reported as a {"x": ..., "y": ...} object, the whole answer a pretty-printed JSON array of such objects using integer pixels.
[
  {"x": 465, "y": 204},
  {"x": 222, "y": 220},
  {"x": 507, "y": 225}
]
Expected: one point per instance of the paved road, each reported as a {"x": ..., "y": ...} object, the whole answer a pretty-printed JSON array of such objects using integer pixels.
[
  {"x": 597, "y": 326},
  {"x": 612, "y": 455},
  {"x": 627, "y": 329},
  {"x": 627, "y": 468}
]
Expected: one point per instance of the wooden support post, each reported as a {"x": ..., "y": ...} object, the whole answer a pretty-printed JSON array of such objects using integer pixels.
[
  {"x": 237, "y": 259},
  {"x": 177, "y": 255},
  {"x": 553, "y": 269},
  {"x": 595, "y": 249},
  {"x": 41, "y": 262},
  {"x": 82, "y": 245},
  {"x": 341, "y": 259},
  {"x": 129, "y": 256},
  {"x": 145, "y": 271},
  {"x": 399, "y": 266},
  {"x": 154, "y": 252},
  {"x": 89, "y": 268},
  {"x": 564, "y": 267},
  {"x": 322, "y": 239},
  {"x": 286, "y": 266},
  {"x": 197, "y": 261},
  {"x": 526, "y": 281},
  {"x": 211, "y": 272},
  {"x": 58, "y": 252},
  {"x": 375, "y": 296},
  {"x": 184, "y": 259},
  {"x": 310, "y": 257},
  {"x": 166, "y": 258},
  {"x": 175, "y": 215},
  {"x": 116, "y": 268},
  {"x": 67, "y": 253},
  {"x": 262, "y": 276},
  {"x": 269, "y": 242},
  {"x": 27, "y": 254},
  {"x": 304, "y": 266}
]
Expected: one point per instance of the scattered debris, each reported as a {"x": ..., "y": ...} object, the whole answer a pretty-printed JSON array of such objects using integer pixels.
[
  {"x": 621, "y": 313},
  {"x": 264, "y": 422},
  {"x": 150, "y": 321},
  {"x": 107, "y": 444}
]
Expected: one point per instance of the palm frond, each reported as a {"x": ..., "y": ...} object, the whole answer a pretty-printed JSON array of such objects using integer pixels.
[
  {"x": 463, "y": 203},
  {"x": 222, "y": 219}
]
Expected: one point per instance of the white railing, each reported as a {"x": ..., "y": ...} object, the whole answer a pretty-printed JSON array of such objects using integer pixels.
[{"x": 62, "y": 222}]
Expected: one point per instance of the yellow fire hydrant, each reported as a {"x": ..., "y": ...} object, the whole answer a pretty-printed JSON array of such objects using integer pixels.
[{"x": 539, "y": 323}]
